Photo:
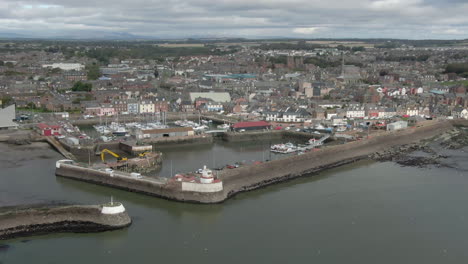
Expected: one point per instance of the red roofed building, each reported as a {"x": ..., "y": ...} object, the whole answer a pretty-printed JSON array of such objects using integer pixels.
[
  {"x": 48, "y": 130},
  {"x": 256, "y": 125}
]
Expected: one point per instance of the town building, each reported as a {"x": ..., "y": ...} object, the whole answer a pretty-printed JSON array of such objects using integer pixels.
[
  {"x": 65, "y": 66},
  {"x": 146, "y": 107},
  {"x": 48, "y": 130},
  {"x": 7, "y": 115}
]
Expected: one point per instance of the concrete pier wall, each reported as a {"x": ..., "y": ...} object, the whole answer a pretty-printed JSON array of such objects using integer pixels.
[
  {"x": 266, "y": 135},
  {"x": 256, "y": 176},
  {"x": 197, "y": 139},
  {"x": 159, "y": 187},
  {"x": 203, "y": 188},
  {"x": 252, "y": 136},
  {"x": 78, "y": 219}
]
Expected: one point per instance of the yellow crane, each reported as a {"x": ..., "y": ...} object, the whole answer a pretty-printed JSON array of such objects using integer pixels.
[
  {"x": 104, "y": 151},
  {"x": 141, "y": 155}
]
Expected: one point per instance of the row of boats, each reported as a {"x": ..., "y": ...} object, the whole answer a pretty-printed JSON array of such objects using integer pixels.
[
  {"x": 201, "y": 126},
  {"x": 118, "y": 129},
  {"x": 291, "y": 148}
]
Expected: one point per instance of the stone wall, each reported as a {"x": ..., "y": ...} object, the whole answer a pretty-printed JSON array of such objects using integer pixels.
[
  {"x": 266, "y": 135},
  {"x": 43, "y": 220},
  {"x": 203, "y": 188},
  {"x": 197, "y": 139},
  {"x": 255, "y": 176},
  {"x": 159, "y": 187},
  {"x": 252, "y": 135}
]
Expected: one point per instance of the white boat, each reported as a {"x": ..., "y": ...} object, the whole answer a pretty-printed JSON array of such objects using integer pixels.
[
  {"x": 319, "y": 126},
  {"x": 284, "y": 148},
  {"x": 200, "y": 128},
  {"x": 120, "y": 131}
]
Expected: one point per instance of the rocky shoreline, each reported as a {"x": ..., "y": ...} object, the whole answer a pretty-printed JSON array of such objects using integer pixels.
[
  {"x": 429, "y": 150},
  {"x": 20, "y": 222}
]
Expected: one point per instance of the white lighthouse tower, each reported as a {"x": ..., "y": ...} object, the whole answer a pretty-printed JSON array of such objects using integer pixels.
[{"x": 207, "y": 176}]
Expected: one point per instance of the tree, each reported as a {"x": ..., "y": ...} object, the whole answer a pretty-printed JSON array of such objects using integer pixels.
[
  {"x": 359, "y": 48},
  {"x": 92, "y": 71},
  {"x": 2, "y": 63},
  {"x": 458, "y": 68},
  {"x": 383, "y": 72},
  {"x": 6, "y": 100},
  {"x": 9, "y": 64},
  {"x": 31, "y": 105},
  {"x": 55, "y": 70},
  {"x": 80, "y": 86}
]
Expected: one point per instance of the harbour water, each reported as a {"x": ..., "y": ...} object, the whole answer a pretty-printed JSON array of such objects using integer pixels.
[{"x": 367, "y": 212}]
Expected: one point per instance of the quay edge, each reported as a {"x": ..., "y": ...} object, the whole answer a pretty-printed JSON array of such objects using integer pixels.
[
  {"x": 33, "y": 221},
  {"x": 256, "y": 176}
]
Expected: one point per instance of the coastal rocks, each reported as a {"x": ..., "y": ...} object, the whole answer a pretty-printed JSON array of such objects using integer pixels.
[
  {"x": 407, "y": 155},
  {"x": 420, "y": 162},
  {"x": 455, "y": 139},
  {"x": 402, "y": 156},
  {"x": 396, "y": 152}
]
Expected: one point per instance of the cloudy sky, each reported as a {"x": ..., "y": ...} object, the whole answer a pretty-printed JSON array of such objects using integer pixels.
[{"x": 415, "y": 19}]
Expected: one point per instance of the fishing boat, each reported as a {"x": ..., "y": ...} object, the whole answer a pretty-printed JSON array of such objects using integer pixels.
[{"x": 120, "y": 131}]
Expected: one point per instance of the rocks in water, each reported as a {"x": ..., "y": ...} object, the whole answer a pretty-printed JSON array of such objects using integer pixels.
[
  {"x": 455, "y": 139},
  {"x": 418, "y": 161},
  {"x": 396, "y": 152}
]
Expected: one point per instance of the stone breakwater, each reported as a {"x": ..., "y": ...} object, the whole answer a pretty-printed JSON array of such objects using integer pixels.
[
  {"x": 256, "y": 176},
  {"x": 154, "y": 186},
  {"x": 57, "y": 219}
]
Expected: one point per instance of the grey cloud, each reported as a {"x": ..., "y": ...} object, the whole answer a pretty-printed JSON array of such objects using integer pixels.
[{"x": 182, "y": 18}]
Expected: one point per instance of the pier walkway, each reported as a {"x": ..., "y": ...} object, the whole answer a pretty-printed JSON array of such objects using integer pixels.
[{"x": 54, "y": 143}]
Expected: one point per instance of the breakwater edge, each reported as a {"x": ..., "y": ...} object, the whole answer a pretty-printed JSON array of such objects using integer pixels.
[
  {"x": 258, "y": 175},
  {"x": 22, "y": 222}
]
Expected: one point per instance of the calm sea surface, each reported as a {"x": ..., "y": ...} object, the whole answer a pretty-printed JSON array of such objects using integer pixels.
[{"x": 366, "y": 212}]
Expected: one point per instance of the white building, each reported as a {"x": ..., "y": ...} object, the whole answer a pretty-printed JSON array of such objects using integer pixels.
[
  {"x": 212, "y": 106},
  {"x": 7, "y": 115},
  {"x": 397, "y": 125},
  {"x": 65, "y": 66},
  {"x": 387, "y": 113},
  {"x": 356, "y": 112},
  {"x": 146, "y": 107},
  {"x": 413, "y": 111},
  {"x": 464, "y": 114},
  {"x": 219, "y": 97}
]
